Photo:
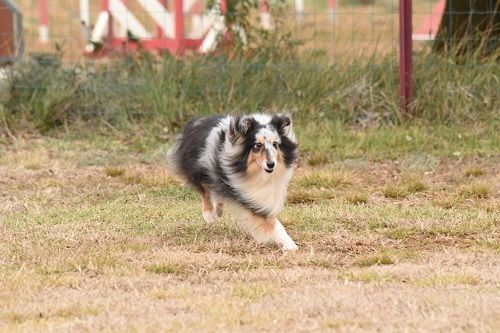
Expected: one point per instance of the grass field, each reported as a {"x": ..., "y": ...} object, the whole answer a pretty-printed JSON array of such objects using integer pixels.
[
  {"x": 396, "y": 215},
  {"x": 97, "y": 236}
]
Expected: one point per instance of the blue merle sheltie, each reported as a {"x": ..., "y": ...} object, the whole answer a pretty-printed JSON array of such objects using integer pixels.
[{"x": 246, "y": 161}]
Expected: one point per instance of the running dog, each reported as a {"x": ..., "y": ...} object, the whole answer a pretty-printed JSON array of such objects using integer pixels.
[{"x": 246, "y": 161}]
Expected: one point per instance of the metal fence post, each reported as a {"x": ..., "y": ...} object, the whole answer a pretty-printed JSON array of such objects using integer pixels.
[{"x": 405, "y": 54}]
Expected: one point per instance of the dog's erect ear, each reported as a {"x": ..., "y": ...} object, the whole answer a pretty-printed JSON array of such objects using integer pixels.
[
  {"x": 283, "y": 123},
  {"x": 239, "y": 127},
  {"x": 244, "y": 125},
  {"x": 232, "y": 136}
]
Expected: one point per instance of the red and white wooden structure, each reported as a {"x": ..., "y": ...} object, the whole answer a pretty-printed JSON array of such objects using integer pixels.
[{"x": 117, "y": 28}]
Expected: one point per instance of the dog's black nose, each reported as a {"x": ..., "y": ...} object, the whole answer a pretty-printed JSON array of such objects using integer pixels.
[{"x": 270, "y": 165}]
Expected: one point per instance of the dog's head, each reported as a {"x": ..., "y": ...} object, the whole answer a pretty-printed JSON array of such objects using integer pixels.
[{"x": 266, "y": 140}]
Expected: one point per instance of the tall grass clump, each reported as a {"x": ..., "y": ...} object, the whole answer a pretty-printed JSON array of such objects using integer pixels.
[
  {"x": 141, "y": 89},
  {"x": 457, "y": 90}
]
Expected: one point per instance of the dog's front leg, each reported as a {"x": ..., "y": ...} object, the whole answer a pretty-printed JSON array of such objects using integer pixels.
[
  {"x": 267, "y": 229},
  {"x": 281, "y": 237},
  {"x": 209, "y": 212}
]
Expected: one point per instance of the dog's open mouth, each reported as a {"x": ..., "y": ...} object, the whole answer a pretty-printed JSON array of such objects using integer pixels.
[{"x": 269, "y": 170}]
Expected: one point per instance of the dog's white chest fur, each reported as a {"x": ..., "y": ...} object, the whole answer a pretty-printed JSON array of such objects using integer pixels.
[{"x": 265, "y": 191}]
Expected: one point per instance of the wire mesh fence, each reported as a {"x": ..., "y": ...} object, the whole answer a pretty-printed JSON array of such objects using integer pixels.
[{"x": 338, "y": 28}]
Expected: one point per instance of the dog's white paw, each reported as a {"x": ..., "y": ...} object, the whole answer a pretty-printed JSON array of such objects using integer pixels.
[
  {"x": 210, "y": 216},
  {"x": 289, "y": 246}
]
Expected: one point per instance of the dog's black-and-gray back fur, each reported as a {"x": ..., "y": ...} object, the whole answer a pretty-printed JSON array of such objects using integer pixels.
[{"x": 190, "y": 145}]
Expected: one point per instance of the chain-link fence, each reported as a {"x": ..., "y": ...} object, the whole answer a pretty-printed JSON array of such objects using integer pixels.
[{"x": 337, "y": 28}]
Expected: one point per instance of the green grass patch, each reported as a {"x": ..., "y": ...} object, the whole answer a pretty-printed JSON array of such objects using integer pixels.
[
  {"x": 113, "y": 171},
  {"x": 301, "y": 197},
  {"x": 357, "y": 198},
  {"x": 323, "y": 178},
  {"x": 368, "y": 276},
  {"x": 166, "y": 268},
  {"x": 395, "y": 191},
  {"x": 253, "y": 291},
  {"x": 446, "y": 280},
  {"x": 476, "y": 190},
  {"x": 402, "y": 233},
  {"x": 318, "y": 158},
  {"x": 404, "y": 187},
  {"x": 414, "y": 185},
  {"x": 474, "y": 171},
  {"x": 447, "y": 201},
  {"x": 380, "y": 258}
]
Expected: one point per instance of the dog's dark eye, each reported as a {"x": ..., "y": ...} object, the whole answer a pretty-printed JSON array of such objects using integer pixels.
[
  {"x": 257, "y": 145},
  {"x": 275, "y": 145}
]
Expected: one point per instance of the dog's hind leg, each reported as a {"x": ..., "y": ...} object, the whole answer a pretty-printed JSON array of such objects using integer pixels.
[
  {"x": 209, "y": 212},
  {"x": 267, "y": 230},
  {"x": 219, "y": 208}
]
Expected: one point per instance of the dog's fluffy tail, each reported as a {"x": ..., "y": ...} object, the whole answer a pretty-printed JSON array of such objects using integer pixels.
[{"x": 173, "y": 158}]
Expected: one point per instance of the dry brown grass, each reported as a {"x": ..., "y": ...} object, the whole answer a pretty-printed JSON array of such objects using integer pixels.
[
  {"x": 474, "y": 171},
  {"x": 85, "y": 250}
]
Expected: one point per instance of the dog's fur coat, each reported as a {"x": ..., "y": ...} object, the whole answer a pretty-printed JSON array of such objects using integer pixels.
[{"x": 247, "y": 161}]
